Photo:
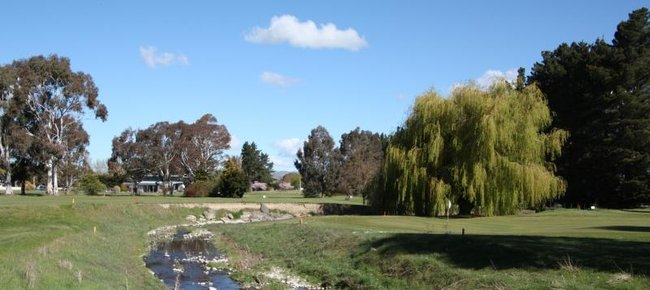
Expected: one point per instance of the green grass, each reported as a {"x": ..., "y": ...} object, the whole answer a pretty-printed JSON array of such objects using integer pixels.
[
  {"x": 49, "y": 243},
  {"x": 55, "y": 246},
  {"x": 294, "y": 196},
  {"x": 565, "y": 249}
]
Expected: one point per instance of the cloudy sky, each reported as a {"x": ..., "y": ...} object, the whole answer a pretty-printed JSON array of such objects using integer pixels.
[{"x": 273, "y": 70}]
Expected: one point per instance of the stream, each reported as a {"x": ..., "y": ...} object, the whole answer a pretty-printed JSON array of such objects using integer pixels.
[{"x": 181, "y": 263}]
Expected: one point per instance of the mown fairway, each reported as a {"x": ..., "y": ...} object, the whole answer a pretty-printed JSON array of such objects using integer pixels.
[
  {"x": 49, "y": 243},
  {"x": 562, "y": 249}
]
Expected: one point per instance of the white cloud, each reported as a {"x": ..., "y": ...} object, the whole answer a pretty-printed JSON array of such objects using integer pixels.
[
  {"x": 492, "y": 76},
  {"x": 234, "y": 142},
  {"x": 283, "y": 163},
  {"x": 154, "y": 59},
  {"x": 288, "y": 147},
  {"x": 277, "y": 79},
  {"x": 288, "y": 28}
]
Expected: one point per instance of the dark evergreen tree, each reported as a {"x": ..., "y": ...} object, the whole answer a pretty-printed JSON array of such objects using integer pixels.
[
  {"x": 256, "y": 164},
  {"x": 600, "y": 93},
  {"x": 319, "y": 164},
  {"x": 232, "y": 181},
  {"x": 362, "y": 156}
]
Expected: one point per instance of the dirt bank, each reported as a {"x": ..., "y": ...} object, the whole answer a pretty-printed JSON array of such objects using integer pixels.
[{"x": 292, "y": 208}]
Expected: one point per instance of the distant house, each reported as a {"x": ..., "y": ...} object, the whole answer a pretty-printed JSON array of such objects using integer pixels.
[{"x": 154, "y": 184}]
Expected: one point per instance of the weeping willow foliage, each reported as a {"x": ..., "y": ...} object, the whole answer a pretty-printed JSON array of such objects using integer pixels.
[{"x": 489, "y": 147}]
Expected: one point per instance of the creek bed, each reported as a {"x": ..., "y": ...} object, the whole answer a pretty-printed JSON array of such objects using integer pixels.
[{"x": 181, "y": 263}]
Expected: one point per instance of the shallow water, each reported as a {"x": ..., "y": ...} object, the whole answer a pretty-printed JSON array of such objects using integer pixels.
[{"x": 177, "y": 264}]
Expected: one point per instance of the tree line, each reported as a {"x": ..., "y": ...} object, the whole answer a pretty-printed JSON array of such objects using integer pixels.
[
  {"x": 166, "y": 149},
  {"x": 576, "y": 131}
]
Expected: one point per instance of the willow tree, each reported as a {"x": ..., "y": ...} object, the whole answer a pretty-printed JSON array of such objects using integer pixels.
[{"x": 489, "y": 149}]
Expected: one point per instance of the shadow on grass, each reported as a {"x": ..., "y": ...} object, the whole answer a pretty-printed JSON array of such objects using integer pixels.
[
  {"x": 639, "y": 229},
  {"x": 636, "y": 210},
  {"x": 527, "y": 252}
]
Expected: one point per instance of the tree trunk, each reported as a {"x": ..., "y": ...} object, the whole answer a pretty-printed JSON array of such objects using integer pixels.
[
  {"x": 22, "y": 187},
  {"x": 465, "y": 206},
  {"x": 55, "y": 179},
  {"x": 48, "y": 186},
  {"x": 68, "y": 184},
  {"x": 8, "y": 187}
]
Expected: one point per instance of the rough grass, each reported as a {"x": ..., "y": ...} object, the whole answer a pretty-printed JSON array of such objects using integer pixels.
[
  {"x": 56, "y": 246},
  {"x": 564, "y": 249},
  {"x": 293, "y": 196}
]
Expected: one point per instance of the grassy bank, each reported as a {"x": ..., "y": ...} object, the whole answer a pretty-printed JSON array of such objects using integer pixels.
[
  {"x": 88, "y": 245},
  {"x": 563, "y": 249}
]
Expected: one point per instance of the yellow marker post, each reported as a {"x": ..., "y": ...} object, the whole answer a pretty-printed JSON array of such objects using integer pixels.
[
  {"x": 94, "y": 230},
  {"x": 73, "y": 200}
]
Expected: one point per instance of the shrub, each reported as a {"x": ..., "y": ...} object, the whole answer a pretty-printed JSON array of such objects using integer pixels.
[
  {"x": 259, "y": 186},
  {"x": 116, "y": 189},
  {"x": 124, "y": 188},
  {"x": 91, "y": 185},
  {"x": 232, "y": 182},
  {"x": 29, "y": 186},
  {"x": 285, "y": 186},
  {"x": 200, "y": 188}
]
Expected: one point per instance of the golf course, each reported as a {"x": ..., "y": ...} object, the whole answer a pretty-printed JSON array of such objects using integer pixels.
[{"x": 97, "y": 242}]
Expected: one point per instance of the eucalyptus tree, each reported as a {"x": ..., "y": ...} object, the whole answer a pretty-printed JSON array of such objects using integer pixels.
[
  {"x": 362, "y": 156},
  {"x": 74, "y": 158},
  {"x": 477, "y": 148},
  {"x": 162, "y": 141},
  {"x": 129, "y": 158},
  {"x": 55, "y": 98},
  {"x": 7, "y": 85},
  {"x": 202, "y": 145},
  {"x": 319, "y": 164}
]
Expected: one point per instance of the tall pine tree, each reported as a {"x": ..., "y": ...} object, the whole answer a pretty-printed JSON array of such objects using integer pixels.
[
  {"x": 600, "y": 93},
  {"x": 255, "y": 164}
]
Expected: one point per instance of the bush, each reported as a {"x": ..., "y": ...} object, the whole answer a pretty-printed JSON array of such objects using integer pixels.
[
  {"x": 124, "y": 188},
  {"x": 200, "y": 188},
  {"x": 259, "y": 186},
  {"x": 29, "y": 186},
  {"x": 116, "y": 189},
  {"x": 232, "y": 183},
  {"x": 91, "y": 184}
]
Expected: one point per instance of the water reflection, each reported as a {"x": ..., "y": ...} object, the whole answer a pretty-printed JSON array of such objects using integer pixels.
[{"x": 181, "y": 264}]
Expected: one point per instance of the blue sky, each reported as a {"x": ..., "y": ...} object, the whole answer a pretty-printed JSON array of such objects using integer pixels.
[{"x": 273, "y": 70}]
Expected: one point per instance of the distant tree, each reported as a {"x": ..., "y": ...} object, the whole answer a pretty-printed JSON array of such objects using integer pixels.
[
  {"x": 91, "y": 185},
  {"x": 477, "y": 148},
  {"x": 293, "y": 178},
  {"x": 7, "y": 80},
  {"x": 162, "y": 141},
  {"x": 202, "y": 145},
  {"x": 599, "y": 93},
  {"x": 362, "y": 155},
  {"x": 232, "y": 181},
  {"x": 255, "y": 164},
  {"x": 130, "y": 158},
  {"x": 99, "y": 166},
  {"x": 165, "y": 149},
  {"x": 319, "y": 164},
  {"x": 74, "y": 159},
  {"x": 54, "y": 97}
]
